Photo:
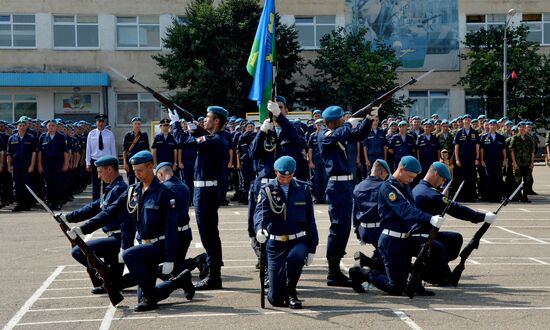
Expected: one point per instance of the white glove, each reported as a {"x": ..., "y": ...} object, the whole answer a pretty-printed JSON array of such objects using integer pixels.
[
  {"x": 173, "y": 116},
  {"x": 490, "y": 217},
  {"x": 261, "y": 236},
  {"x": 373, "y": 112},
  {"x": 266, "y": 126},
  {"x": 167, "y": 268},
  {"x": 437, "y": 221},
  {"x": 309, "y": 259},
  {"x": 354, "y": 122},
  {"x": 273, "y": 107},
  {"x": 120, "y": 260},
  {"x": 75, "y": 231},
  {"x": 360, "y": 241}
]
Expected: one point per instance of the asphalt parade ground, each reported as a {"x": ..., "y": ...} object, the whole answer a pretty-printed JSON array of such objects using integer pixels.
[{"x": 506, "y": 283}]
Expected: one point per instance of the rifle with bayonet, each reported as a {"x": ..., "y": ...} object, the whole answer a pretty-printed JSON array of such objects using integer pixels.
[
  {"x": 474, "y": 242},
  {"x": 100, "y": 268},
  {"x": 182, "y": 113},
  {"x": 387, "y": 96},
  {"x": 422, "y": 259}
]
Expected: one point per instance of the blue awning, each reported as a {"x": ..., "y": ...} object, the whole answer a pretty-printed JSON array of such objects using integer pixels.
[{"x": 54, "y": 79}]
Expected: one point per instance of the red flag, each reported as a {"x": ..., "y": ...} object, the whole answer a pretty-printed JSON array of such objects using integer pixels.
[{"x": 514, "y": 75}]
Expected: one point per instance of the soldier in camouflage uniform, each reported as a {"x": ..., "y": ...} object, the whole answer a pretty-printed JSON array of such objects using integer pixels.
[
  {"x": 509, "y": 180},
  {"x": 547, "y": 145},
  {"x": 446, "y": 138},
  {"x": 523, "y": 157}
]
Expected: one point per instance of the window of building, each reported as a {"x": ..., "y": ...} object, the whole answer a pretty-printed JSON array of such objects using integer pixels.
[
  {"x": 138, "y": 32},
  {"x": 474, "y": 105},
  {"x": 14, "y": 106},
  {"x": 312, "y": 28},
  {"x": 429, "y": 102},
  {"x": 142, "y": 105},
  {"x": 17, "y": 31},
  {"x": 75, "y": 32},
  {"x": 539, "y": 27},
  {"x": 475, "y": 23}
]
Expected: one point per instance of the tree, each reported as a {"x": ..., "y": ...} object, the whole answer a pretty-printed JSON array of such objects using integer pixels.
[
  {"x": 350, "y": 73},
  {"x": 527, "y": 94},
  {"x": 206, "y": 58}
]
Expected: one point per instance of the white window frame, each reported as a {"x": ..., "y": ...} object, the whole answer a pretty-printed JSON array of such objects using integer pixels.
[
  {"x": 12, "y": 23},
  {"x": 431, "y": 95},
  {"x": 13, "y": 101},
  {"x": 488, "y": 21},
  {"x": 141, "y": 97},
  {"x": 75, "y": 24},
  {"x": 315, "y": 25},
  {"x": 137, "y": 25},
  {"x": 544, "y": 19}
]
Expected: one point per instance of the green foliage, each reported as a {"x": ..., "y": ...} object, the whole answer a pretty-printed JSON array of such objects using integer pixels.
[
  {"x": 206, "y": 58},
  {"x": 350, "y": 73},
  {"x": 528, "y": 94}
]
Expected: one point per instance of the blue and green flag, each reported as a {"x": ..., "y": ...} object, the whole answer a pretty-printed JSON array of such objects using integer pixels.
[{"x": 261, "y": 59}]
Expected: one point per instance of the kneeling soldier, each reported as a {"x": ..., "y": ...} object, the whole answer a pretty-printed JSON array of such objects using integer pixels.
[{"x": 285, "y": 215}]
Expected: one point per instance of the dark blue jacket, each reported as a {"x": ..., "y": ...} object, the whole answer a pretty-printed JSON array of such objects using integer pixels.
[
  {"x": 428, "y": 150},
  {"x": 211, "y": 155},
  {"x": 492, "y": 149},
  {"x": 141, "y": 144},
  {"x": 21, "y": 149},
  {"x": 467, "y": 144},
  {"x": 165, "y": 147},
  {"x": 375, "y": 143},
  {"x": 401, "y": 148},
  {"x": 53, "y": 149},
  {"x": 365, "y": 201}
]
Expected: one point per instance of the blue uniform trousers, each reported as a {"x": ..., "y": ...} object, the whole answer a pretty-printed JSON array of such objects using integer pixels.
[
  {"x": 97, "y": 185},
  {"x": 320, "y": 179},
  {"x": 21, "y": 177},
  {"x": 494, "y": 184},
  {"x": 285, "y": 262},
  {"x": 207, "y": 202},
  {"x": 53, "y": 178},
  {"x": 105, "y": 248},
  {"x": 466, "y": 172},
  {"x": 339, "y": 197}
]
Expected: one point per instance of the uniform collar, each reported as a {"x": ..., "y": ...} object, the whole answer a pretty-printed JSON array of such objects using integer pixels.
[{"x": 115, "y": 182}]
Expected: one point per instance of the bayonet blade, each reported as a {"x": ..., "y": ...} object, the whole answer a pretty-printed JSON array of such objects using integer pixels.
[
  {"x": 425, "y": 75},
  {"x": 44, "y": 205},
  {"x": 516, "y": 191},
  {"x": 117, "y": 72}
]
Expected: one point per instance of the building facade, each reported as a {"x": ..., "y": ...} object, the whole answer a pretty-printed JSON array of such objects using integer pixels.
[{"x": 56, "y": 54}]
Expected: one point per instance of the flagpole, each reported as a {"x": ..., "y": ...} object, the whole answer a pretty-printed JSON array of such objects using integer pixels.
[{"x": 510, "y": 13}]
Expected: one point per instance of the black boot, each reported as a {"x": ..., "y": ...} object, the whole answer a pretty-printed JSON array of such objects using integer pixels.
[
  {"x": 183, "y": 280},
  {"x": 362, "y": 260},
  {"x": 357, "y": 276},
  {"x": 146, "y": 304},
  {"x": 201, "y": 264},
  {"x": 293, "y": 301},
  {"x": 335, "y": 276},
  {"x": 211, "y": 282},
  {"x": 126, "y": 281}
]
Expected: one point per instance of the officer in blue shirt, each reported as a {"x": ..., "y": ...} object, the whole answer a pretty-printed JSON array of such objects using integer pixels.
[
  {"x": 208, "y": 167},
  {"x": 430, "y": 200},
  {"x": 186, "y": 156},
  {"x": 134, "y": 142},
  {"x": 401, "y": 144},
  {"x": 493, "y": 160},
  {"x": 155, "y": 212},
  {"x": 365, "y": 213},
  {"x": 319, "y": 176},
  {"x": 466, "y": 152},
  {"x": 396, "y": 244},
  {"x": 374, "y": 144},
  {"x": 334, "y": 139},
  {"x": 53, "y": 162},
  {"x": 21, "y": 160},
  {"x": 285, "y": 216},
  {"x": 428, "y": 147},
  {"x": 164, "y": 145},
  {"x": 114, "y": 226}
]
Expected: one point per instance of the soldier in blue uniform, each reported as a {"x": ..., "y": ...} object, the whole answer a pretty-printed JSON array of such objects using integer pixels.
[
  {"x": 285, "y": 215},
  {"x": 365, "y": 213},
  {"x": 334, "y": 139},
  {"x": 245, "y": 159},
  {"x": 493, "y": 160},
  {"x": 396, "y": 244},
  {"x": 374, "y": 144},
  {"x": 466, "y": 152},
  {"x": 21, "y": 160},
  {"x": 401, "y": 144},
  {"x": 53, "y": 162},
  {"x": 319, "y": 176},
  {"x": 428, "y": 147},
  {"x": 428, "y": 199},
  {"x": 165, "y": 148},
  {"x": 186, "y": 157},
  {"x": 106, "y": 248},
  {"x": 208, "y": 166},
  {"x": 155, "y": 211},
  {"x": 134, "y": 142}
]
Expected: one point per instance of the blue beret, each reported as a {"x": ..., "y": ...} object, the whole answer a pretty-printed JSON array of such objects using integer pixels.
[
  {"x": 161, "y": 165},
  {"x": 493, "y": 122},
  {"x": 444, "y": 121},
  {"x": 316, "y": 111},
  {"x": 348, "y": 113},
  {"x": 514, "y": 128},
  {"x": 141, "y": 157},
  {"x": 384, "y": 164},
  {"x": 402, "y": 123},
  {"x": 429, "y": 122},
  {"x": 393, "y": 123},
  {"x": 320, "y": 121},
  {"x": 442, "y": 170},
  {"x": 200, "y": 119},
  {"x": 435, "y": 115},
  {"x": 415, "y": 118},
  {"x": 410, "y": 164},
  {"x": 281, "y": 99},
  {"x": 466, "y": 116},
  {"x": 135, "y": 119},
  {"x": 333, "y": 113},
  {"x": 509, "y": 122},
  {"x": 106, "y": 161},
  {"x": 285, "y": 165},
  {"x": 475, "y": 121},
  {"x": 481, "y": 117},
  {"x": 528, "y": 122},
  {"x": 218, "y": 111},
  {"x": 522, "y": 123},
  {"x": 231, "y": 120},
  {"x": 439, "y": 121}
]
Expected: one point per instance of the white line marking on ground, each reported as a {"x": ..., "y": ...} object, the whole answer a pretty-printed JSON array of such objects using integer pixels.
[
  {"x": 74, "y": 288},
  {"x": 474, "y": 262},
  {"x": 539, "y": 261},
  {"x": 75, "y": 272},
  {"x": 64, "y": 309},
  {"x": 36, "y": 295},
  {"x": 526, "y": 236},
  {"x": 74, "y": 297},
  {"x": 525, "y": 210},
  {"x": 485, "y": 241},
  {"x": 483, "y": 210},
  {"x": 405, "y": 318},
  {"x": 108, "y": 318},
  {"x": 71, "y": 279}
]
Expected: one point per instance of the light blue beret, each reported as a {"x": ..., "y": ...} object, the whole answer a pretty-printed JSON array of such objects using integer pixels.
[
  {"x": 442, "y": 170},
  {"x": 218, "y": 111},
  {"x": 141, "y": 157},
  {"x": 429, "y": 122},
  {"x": 285, "y": 165},
  {"x": 509, "y": 122},
  {"x": 384, "y": 164},
  {"x": 106, "y": 161},
  {"x": 410, "y": 164},
  {"x": 161, "y": 165},
  {"x": 466, "y": 116},
  {"x": 402, "y": 123},
  {"x": 493, "y": 122},
  {"x": 333, "y": 113},
  {"x": 281, "y": 99},
  {"x": 316, "y": 111}
]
